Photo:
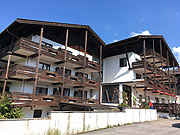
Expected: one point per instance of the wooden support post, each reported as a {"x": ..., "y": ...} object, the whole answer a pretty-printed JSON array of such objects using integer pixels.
[
  {"x": 64, "y": 65},
  {"x": 37, "y": 66},
  {"x": 168, "y": 106},
  {"x": 154, "y": 73},
  {"x": 145, "y": 76},
  {"x": 161, "y": 62},
  {"x": 100, "y": 62},
  {"x": 127, "y": 57},
  {"x": 168, "y": 71},
  {"x": 8, "y": 64},
  {"x": 175, "y": 89},
  {"x": 86, "y": 34},
  {"x": 174, "y": 77}
]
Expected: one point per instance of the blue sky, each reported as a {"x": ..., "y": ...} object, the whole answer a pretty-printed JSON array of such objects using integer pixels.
[{"x": 111, "y": 19}]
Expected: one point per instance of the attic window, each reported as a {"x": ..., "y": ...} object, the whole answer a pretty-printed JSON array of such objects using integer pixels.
[{"x": 123, "y": 62}]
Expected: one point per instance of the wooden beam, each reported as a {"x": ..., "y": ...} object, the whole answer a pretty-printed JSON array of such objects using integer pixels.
[
  {"x": 168, "y": 69},
  {"x": 100, "y": 62},
  {"x": 154, "y": 73},
  {"x": 15, "y": 79},
  {"x": 34, "y": 55},
  {"x": 7, "y": 68},
  {"x": 127, "y": 57},
  {"x": 37, "y": 65},
  {"x": 64, "y": 65},
  {"x": 161, "y": 61},
  {"x": 57, "y": 83},
  {"x": 77, "y": 87},
  {"x": 85, "y": 49},
  {"x": 145, "y": 76},
  {"x": 5, "y": 61},
  {"x": 59, "y": 62},
  {"x": 19, "y": 55},
  {"x": 77, "y": 68}
]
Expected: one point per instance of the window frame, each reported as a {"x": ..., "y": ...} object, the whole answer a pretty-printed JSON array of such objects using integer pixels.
[{"x": 123, "y": 62}]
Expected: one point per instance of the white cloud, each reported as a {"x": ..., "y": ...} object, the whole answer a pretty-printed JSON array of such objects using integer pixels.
[
  {"x": 176, "y": 51},
  {"x": 115, "y": 40},
  {"x": 146, "y": 32}
]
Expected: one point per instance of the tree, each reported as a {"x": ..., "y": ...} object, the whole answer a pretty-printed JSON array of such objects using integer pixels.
[{"x": 7, "y": 110}]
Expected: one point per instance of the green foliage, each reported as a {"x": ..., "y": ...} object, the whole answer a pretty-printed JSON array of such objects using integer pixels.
[
  {"x": 123, "y": 105},
  {"x": 145, "y": 104},
  {"x": 125, "y": 100},
  {"x": 7, "y": 110},
  {"x": 125, "y": 97}
]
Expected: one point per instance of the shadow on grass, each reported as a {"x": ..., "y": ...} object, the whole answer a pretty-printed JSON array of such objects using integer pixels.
[{"x": 176, "y": 125}]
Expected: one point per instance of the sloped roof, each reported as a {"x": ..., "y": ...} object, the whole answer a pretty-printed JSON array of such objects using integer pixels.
[
  {"x": 135, "y": 40},
  {"x": 24, "y": 24}
]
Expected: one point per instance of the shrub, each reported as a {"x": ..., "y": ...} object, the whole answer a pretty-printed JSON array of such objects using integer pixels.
[{"x": 7, "y": 110}]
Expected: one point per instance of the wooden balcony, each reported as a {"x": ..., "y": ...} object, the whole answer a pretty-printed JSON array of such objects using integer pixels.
[
  {"x": 27, "y": 48},
  {"x": 139, "y": 67},
  {"x": 28, "y": 72},
  {"x": 157, "y": 57},
  {"x": 25, "y": 99},
  {"x": 171, "y": 108},
  {"x": 160, "y": 82}
]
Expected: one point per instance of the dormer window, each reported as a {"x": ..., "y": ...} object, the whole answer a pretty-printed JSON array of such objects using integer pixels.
[{"x": 122, "y": 62}]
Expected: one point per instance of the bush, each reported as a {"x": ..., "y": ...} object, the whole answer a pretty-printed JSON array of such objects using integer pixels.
[
  {"x": 125, "y": 100},
  {"x": 7, "y": 110},
  {"x": 123, "y": 105}
]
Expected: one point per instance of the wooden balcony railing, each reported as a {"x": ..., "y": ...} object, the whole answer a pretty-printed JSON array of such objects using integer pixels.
[
  {"x": 149, "y": 54},
  {"x": 25, "y": 99},
  {"x": 56, "y": 77},
  {"x": 28, "y": 45},
  {"x": 140, "y": 64},
  {"x": 172, "y": 108}
]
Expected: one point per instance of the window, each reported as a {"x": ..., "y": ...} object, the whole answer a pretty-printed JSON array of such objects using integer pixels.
[
  {"x": 91, "y": 93},
  {"x": 162, "y": 100},
  {"x": 37, "y": 113},
  {"x": 56, "y": 91},
  {"x": 138, "y": 76},
  {"x": 80, "y": 75},
  {"x": 41, "y": 90},
  {"x": 157, "y": 99},
  {"x": 79, "y": 93},
  {"x": 44, "y": 66},
  {"x": 75, "y": 93},
  {"x": 66, "y": 92},
  {"x": 67, "y": 71},
  {"x": 85, "y": 94},
  {"x": 95, "y": 76},
  {"x": 123, "y": 62}
]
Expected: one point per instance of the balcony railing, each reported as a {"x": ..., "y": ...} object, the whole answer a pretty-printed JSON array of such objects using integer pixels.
[
  {"x": 25, "y": 99},
  {"x": 28, "y": 72},
  {"x": 28, "y": 45}
]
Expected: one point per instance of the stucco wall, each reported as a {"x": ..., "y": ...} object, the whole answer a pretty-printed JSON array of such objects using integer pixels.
[
  {"x": 113, "y": 73},
  {"x": 75, "y": 122}
]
